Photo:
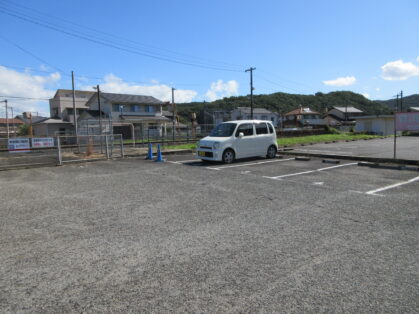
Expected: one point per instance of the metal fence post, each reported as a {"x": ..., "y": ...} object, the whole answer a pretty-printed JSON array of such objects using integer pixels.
[
  {"x": 187, "y": 134},
  {"x": 122, "y": 146},
  {"x": 107, "y": 146},
  {"x": 60, "y": 160}
]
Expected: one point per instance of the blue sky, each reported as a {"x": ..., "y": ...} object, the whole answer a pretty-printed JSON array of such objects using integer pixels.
[{"x": 369, "y": 47}]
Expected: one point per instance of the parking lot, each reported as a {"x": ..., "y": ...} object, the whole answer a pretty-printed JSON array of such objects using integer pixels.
[
  {"x": 258, "y": 235},
  {"x": 336, "y": 175}
]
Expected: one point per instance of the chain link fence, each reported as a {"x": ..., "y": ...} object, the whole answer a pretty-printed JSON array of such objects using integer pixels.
[
  {"x": 89, "y": 147},
  {"x": 20, "y": 152}
]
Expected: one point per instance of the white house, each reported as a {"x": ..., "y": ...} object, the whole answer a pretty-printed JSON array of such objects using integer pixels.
[
  {"x": 243, "y": 113},
  {"x": 378, "y": 124}
]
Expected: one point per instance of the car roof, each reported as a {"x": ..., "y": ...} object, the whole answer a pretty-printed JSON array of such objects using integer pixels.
[{"x": 247, "y": 121}]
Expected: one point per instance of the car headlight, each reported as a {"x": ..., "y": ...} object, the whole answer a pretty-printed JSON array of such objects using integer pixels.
[{"x": 216, "y": 145}]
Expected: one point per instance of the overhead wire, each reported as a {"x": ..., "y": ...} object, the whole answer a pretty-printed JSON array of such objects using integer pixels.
[
  {"x": 105, "y": 42},
  {"x": 116, "y": 36}
]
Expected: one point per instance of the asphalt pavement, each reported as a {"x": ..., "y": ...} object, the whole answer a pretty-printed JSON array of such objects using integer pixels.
[
  {"x": 259, "y": 235},
  {"x": 407, "y": 147}
]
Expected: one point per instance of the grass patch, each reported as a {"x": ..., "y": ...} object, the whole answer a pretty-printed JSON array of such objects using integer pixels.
[{"x": 290, "y": 141}]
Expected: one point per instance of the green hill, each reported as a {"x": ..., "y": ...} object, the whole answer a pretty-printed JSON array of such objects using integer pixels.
[
  {"x": 283, "y": 103},
  {"x": 409, "y": 101}
]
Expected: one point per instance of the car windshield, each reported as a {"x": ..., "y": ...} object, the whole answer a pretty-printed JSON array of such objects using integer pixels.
[{"x": 223, "y": 130}]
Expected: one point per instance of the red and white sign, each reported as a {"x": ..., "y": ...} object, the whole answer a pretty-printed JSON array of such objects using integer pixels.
[
  {"x": 42, "y": 142},
  {"x": 407, "y": 121},
  {"x": 19, "y": 145}
]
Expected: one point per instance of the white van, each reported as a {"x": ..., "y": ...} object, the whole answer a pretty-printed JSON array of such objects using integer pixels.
[{"x": 238, "y": 139}]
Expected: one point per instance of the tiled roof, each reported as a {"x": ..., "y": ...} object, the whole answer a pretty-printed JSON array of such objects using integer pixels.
[
  {"x": 35, "y": 119},
  {"x": 10, "y": 121},
  {"x": 301, "y": 111},
  {"x": 123, "y": 98},
  {"x": 348, "y": 109},
  {"x": 255, "y": 110}
]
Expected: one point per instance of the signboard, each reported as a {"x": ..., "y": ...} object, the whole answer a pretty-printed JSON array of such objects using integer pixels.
[
  {"x": 19, "y": 145},
  {"x": 407, "y": 121},
  {"x": 42, "y": 142}
]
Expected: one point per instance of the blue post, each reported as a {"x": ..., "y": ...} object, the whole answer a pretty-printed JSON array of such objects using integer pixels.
[
  {"x": 150, "y": 152},
  {"x": 159, "y": 155}
]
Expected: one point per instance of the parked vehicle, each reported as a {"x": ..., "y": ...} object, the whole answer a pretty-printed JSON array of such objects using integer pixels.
[{"x": 239, "y": 139}]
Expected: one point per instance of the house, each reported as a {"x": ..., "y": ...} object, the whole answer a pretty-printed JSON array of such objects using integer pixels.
[
  {"x": 220, "y": 116},
  {"x": 61, "y": 105},
  {"x": 243, "y": 113},
  {"x": 303, "y": 117},
  {"x": 9, "y": 127},
  {"x": 376, "y": 124},
  {"x": 52, "y": 127},
  {"x": 342, "y": 116},
  {"x": 136, "y": 115}
]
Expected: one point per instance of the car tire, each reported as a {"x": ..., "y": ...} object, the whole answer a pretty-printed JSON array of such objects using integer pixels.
[
  {"x": 228, "y": 156},
  {"x": 271, "y": 153}
]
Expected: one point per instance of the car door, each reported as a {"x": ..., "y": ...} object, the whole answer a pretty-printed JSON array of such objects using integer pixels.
[
  {"x": 244, "y": 145},
  {"x": 263, "y": 138}
]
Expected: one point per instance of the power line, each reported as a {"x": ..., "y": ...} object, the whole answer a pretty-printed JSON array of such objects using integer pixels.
[
  {"x": 116, "y": 36},
  {"x": 29, "y": 53},
  {"x": 105, "y": 42}
]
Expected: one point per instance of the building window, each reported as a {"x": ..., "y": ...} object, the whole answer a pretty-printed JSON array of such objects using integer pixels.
[
  {"x": 149, "y": 108},
  {"x": 135, "y": 108},
  {"x": 264, "y": 118}
]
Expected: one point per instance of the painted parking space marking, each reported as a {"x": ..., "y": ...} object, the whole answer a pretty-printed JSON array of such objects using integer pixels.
[
  {"x": 249, "y": 164},
  {"x": 309, "y": 171},
  {"x": 388, "y": 187},
  {"x": 184, "y": 161}
]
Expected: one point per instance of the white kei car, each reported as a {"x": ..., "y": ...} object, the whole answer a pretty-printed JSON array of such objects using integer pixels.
[{"x": 239, "y": 139}]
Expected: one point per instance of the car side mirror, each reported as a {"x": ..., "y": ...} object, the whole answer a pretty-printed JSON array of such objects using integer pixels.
[{"x": 241, "y": 134}]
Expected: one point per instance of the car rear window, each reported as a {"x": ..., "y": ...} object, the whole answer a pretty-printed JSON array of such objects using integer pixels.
[{"x": 261, "y": 128}]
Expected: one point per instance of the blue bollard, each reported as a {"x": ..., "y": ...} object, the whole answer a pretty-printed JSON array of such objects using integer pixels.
[
  {"x": 159, "y": 155},
  {"x": 150, "y": 152}
]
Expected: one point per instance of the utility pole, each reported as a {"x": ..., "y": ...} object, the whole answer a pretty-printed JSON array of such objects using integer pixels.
[
  {"x": 395, "y": 132},
  {"x": 174, "y": 113},
  {"x": 251, "y": 90},
  {"x": 7, "y": 116},
  {"x": 74, "y": 105},
  {"x": 401, "y": 101},
  {"x": 13, "y": 123},
  {"x": 100, "y": 109}
]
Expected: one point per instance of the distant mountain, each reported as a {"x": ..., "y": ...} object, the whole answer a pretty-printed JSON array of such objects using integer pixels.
[
  {"x": 283, "y": 103},
  {"x": 409, "y": 101}
]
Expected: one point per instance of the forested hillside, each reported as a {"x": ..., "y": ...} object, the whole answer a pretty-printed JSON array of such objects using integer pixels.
[
  {"x": 283, "y": 102},
  {"x": 409, "y": 101}
]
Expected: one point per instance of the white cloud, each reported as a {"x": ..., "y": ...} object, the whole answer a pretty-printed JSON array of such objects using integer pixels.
[
  {"x": 220, "y": 89},
  {"x": 14, "y": 83},
  {"x": 399, "y": 70},
  {"x": 377, "y": 89},
  {"x": 366, "y": 95},
  {"x": 114, "y": 84},
  {"x": 417, "y": 59},
  {"x": 341, "y": 81}
]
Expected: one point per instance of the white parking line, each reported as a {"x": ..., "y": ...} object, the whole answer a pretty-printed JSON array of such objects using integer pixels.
[
  {"x": 310, "y": 171},
  {"x": 388, "y": 187},
  {"x": 249, "y": 164},
  {"x": 183, "y": 161}
]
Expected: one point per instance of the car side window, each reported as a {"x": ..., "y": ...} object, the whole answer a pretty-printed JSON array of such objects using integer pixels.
[
  {"x": 271, "y": 129},
  {"x": 261, "y": 128},
  {"x": 245, "y": 128}
]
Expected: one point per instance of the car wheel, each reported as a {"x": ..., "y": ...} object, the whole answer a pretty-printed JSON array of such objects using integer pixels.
[
  {"x": 228, "y": 156},
  {"x": 271, "y": 152}
]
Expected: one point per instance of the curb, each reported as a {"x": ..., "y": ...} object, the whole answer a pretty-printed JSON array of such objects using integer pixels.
[
  {"x": 357, "y": 158},
  {"x": 164, "y": 153}
]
